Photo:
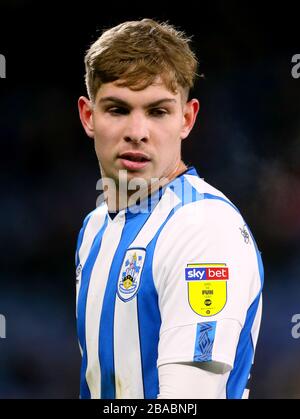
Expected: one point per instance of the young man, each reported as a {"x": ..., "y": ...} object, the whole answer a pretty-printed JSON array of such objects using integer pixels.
[{"x": 169, "y": 277}]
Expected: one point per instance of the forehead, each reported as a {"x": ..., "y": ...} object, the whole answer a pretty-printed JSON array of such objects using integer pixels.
[{"x": 152, "y": 93}]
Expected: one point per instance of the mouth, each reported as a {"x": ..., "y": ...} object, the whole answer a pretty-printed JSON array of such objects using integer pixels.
[
  {"x": 134, "y": 156},
  {"x": 134, "y": 160}
]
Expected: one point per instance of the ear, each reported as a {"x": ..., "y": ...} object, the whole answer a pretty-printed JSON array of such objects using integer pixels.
[
  {"x": 190, "y": 112},
  {"x": 85, "y": 108}
]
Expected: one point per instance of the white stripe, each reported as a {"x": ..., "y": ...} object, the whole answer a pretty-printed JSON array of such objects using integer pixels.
[
  {"x": 245, "y": 394},
  {"x": 203, "y": 187},
  {"x": 128, "y": 364},
  {"x": 93, "y": 226},
  {"x": 98, "y": 281}
]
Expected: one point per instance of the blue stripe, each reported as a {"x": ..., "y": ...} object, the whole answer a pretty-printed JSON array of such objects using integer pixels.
[
  {"x": 210, "y": 196},
  {"x": 184, "y": 191},
  {"x": 245, "y": 351},
  {"x": 149, "y": 325},
  {"x": 259, "y": 259},
  {"x": 82, "y": 299},
  {"x": 188, "y": 193},
  {"x": 106, "y": 339},
  {"x": 238, "y": 377},
  {"x": 148, "y": 310}
]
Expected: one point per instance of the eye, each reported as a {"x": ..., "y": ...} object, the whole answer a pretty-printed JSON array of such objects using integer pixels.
[
  {"x": 159, "y": 112},
  {"x": 117, "y": 110}
]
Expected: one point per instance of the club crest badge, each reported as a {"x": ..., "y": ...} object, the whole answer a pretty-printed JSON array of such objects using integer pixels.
[
  {"x": 130, "y": 274},
  {"x": 207, "y": 287}
]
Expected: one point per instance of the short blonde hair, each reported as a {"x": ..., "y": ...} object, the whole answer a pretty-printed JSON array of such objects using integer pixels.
[{"x": 136, "y": 53}]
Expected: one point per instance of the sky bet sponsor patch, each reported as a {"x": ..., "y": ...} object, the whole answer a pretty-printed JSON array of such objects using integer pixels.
[{"x": 207, "y": 287}]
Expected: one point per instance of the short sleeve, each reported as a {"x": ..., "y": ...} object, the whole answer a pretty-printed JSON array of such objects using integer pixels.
[{"x": 206, "y": 274}]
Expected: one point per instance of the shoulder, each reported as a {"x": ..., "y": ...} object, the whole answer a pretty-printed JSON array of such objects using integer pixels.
[
  {"x": 209, "y": 229},
  {"x": 95, "y": 218},
  {"x": 92, "y": 223},
  {"x": 207, "y": 212}
]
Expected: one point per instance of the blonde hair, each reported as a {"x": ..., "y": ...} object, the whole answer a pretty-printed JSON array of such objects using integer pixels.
[{"x": 135, "y": 53}]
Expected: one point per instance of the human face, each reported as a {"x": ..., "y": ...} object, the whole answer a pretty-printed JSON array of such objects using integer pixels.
[{"x": 138, "y": 131}]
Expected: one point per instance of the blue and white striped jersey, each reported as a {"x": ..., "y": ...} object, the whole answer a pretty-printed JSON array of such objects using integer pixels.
[{"x": 179, "y": 283}]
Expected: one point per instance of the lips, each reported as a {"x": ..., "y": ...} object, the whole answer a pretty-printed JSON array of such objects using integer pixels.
[
  {"x": 134, "y": 160},
  {"x": 135, "y": 156}
]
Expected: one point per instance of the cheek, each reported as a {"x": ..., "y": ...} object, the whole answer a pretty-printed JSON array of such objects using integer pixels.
[
  {"x": 174, "y": 127},
  {"x": 171, "y": 137},
  {"x": 106, "y": 137},
  {"x": 102, "y": 148}
]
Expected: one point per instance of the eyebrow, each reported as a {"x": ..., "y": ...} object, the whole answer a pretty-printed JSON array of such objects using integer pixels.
[{"x": 122, "y": 102}]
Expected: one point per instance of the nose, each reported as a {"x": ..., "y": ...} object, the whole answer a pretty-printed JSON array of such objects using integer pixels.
[{"x": 136, "y": 129}]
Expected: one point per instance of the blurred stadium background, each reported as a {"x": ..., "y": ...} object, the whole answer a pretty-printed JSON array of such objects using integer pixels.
[{"x": 246, "y": 142}]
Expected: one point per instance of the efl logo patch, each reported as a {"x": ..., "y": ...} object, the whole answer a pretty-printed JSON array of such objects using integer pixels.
[
  {"x": 207, "y": 287},
  {"x": 130, "y": 274}
]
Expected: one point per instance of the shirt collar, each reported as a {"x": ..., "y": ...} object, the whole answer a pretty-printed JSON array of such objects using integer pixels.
[{"x": 148, "y": 203}]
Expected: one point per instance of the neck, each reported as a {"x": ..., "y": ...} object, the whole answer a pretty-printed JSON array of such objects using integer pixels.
[{"x": 119, "y": 198}]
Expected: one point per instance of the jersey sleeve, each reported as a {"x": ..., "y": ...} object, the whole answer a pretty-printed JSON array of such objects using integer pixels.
[{"x": 206, "y": 272}]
